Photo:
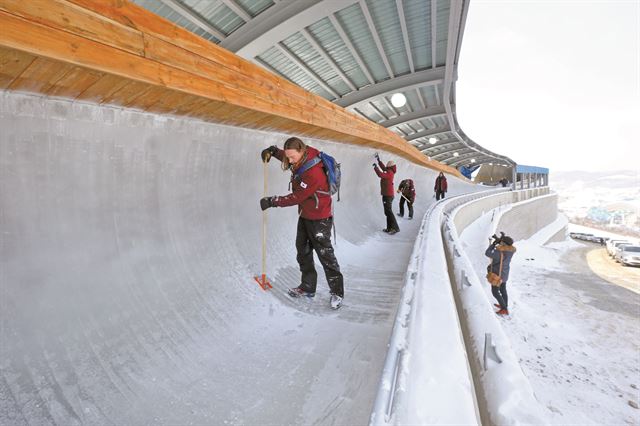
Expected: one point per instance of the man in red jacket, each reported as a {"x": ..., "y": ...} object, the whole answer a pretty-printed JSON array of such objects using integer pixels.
[
  {"x": 311, "y": 195},
  {"x": 386, "y": 174},
  {"x": 440, "y": 186}
]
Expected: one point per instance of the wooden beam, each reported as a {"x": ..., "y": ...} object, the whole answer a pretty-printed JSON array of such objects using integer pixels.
[
  {"x": 76, "y": 81},
  {"x": 12, "y": 64},
  {"x": 67, "y": 16},
  {"x": 39, "y": 76},
  {"x": 155, "y": 66}
]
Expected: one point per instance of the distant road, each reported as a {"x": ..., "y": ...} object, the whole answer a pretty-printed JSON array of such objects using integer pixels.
[{"x": 610, "y": 270}]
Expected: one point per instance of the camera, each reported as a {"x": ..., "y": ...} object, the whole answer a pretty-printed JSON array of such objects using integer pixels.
[{"x": 497, "y": 240}]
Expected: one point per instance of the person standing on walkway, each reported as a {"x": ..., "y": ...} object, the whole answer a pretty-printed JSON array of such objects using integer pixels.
[
  {"x": 440, "y": 186},
  {"x": 501, "y": 251},
  {"x": 407, "y": 193},
  {"x": 386, "y": 174},
  {"x": 315, "y": 218}
]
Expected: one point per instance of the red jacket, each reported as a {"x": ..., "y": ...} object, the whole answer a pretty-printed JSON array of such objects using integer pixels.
[
  {"x": 407, "y": 189},
  {"x": 441, "y": 184},
  {"x": 311, "y": 205},
  {"x": 386, "y": 175}
]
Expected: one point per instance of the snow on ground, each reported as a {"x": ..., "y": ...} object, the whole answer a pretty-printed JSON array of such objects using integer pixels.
[{"x": 576, "y": 335}]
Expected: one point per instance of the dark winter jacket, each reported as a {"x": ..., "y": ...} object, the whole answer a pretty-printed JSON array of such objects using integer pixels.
[
  {"x": 311, "y": 204},
  {"x": 386, "y": 175},
  {"x": 441, "y": 184},
  {"x": 494, "y": 253},
  {"x": 407, "y": 189}
]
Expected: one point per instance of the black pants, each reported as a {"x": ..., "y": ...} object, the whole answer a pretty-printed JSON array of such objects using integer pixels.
[
  {"x": 316, "y": 235},
  {"x": 409, "y": 206},
  {"x": 439, "y": 194},
  {"x": 387, "y": 203},
  {"x": 500, "y": 293}
]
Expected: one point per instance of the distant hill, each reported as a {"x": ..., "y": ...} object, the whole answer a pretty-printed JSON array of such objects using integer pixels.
[
  {"x": 583, "y": 196},
  {"x": 628, "y": 181}
]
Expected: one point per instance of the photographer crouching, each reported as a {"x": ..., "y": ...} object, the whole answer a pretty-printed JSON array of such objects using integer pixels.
[{"x": 500, "y": 250}]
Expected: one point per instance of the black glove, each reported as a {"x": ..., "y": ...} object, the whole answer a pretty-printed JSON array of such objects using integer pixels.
[
  {"x": 268, "y": 153},
  {"x": 266, "y": 202},
  {"x": 376, "y": 156},
  {"x": 497, "y": 240},
  {"x": 374, "y": 164}
]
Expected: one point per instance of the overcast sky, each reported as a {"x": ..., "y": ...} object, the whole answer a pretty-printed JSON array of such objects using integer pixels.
[{"x": 553, "y": 83}]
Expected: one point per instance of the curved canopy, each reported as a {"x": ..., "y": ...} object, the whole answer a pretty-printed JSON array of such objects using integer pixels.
[{"x": 356, "y": 53}]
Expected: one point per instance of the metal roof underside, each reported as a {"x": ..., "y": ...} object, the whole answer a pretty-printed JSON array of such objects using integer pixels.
[{"x": 355, "y": 53}]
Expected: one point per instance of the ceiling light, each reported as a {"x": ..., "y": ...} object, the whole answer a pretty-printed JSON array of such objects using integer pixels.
[
  {"x": 398, "y": 100},
  {"x": 455, "y": 154},
  {"x": 433, "y": 140},
  {"x": 473, "y": 160}
]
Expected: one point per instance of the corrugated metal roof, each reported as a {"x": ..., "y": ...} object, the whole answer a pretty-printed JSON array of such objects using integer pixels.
[
  {"x": 255, "y": 7},
  {"x": 217, "y": 13},
  {"x": 300, "y": 47},
  {"x": 332, "y": 43},
  {"x": 280, "y": 63},
  {"x": 387, "y": 24},
  {"x": 355, "y": 26},
  {"x": 335, "y": 55},
  {"x": 442, "y": 31},
  {"x": 166, "y": 12},
  {"x": 418, "y": 17}
]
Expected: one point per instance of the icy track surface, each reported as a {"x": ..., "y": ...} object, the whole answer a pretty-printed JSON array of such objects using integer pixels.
[{"x": 128, "y": 243}]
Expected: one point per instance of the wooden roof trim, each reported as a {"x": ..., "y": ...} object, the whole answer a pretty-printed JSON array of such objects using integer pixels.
[{"x": 214, "y": 76}]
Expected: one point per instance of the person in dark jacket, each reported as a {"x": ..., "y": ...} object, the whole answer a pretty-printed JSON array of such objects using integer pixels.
[
  {"x": 501, "y": 248},
  {"x": 407, "y": 193},
  {"x": 315, "y": 221},
  {"x": 440, "y": 186},
  {"x": 386, "y": 174}
]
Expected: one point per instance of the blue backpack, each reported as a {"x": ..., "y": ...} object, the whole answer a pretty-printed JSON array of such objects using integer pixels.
[{"x": 331, "y": 170}]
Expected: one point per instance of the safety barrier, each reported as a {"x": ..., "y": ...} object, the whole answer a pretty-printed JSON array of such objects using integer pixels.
[{"x": 436, "y": 318}]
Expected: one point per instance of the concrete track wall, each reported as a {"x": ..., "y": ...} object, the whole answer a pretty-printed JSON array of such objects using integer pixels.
[
  {"x": 128, "y": 242},
  {"x": 522, "y": 221},
  {"x": 525, "y": 219}
]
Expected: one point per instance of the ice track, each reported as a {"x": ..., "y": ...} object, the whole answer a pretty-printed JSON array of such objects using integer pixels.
[{"x": 128, "y": 243}]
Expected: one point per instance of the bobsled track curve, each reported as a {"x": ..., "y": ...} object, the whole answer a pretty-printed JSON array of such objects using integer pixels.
[{"x": 128, "y": 243}]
